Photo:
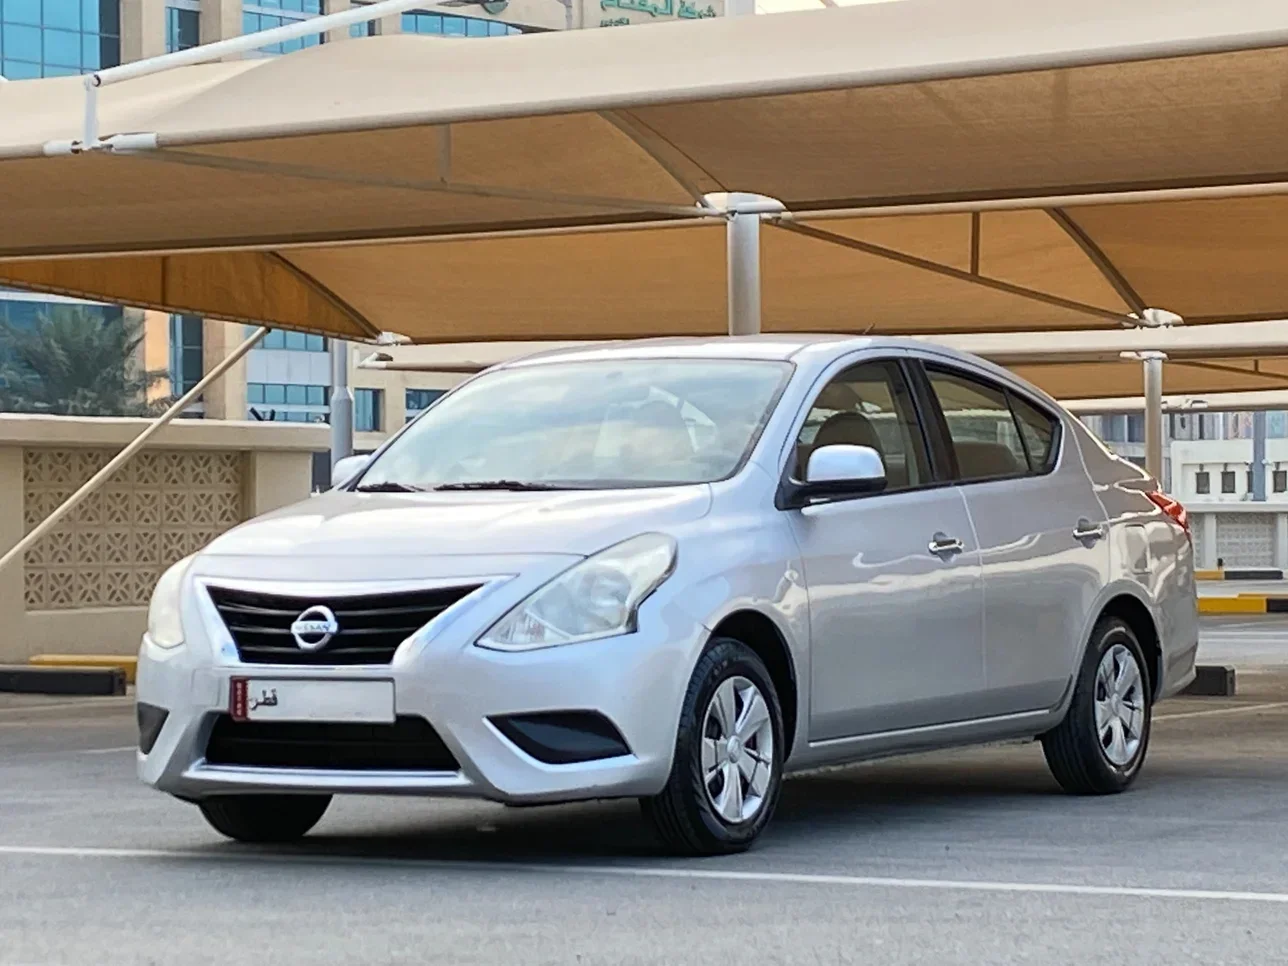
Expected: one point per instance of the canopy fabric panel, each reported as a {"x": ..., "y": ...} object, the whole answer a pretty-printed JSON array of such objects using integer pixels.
[{"x": 993, "y": 166}]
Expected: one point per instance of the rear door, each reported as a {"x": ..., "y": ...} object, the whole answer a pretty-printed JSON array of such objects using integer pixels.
[{"x": 1041, "y": 529}]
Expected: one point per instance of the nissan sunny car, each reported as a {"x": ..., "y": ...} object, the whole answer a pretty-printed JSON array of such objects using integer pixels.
[{"x": 676, "y": 570}]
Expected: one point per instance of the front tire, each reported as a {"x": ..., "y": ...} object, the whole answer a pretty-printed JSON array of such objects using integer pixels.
[
  {"x": 727, "y": 773},
  {"x": 1099, "y": 747},
  {"x": 264, "y": 818}
]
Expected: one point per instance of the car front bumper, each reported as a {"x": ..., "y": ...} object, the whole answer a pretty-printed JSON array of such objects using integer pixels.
[{"x": 635, "y": 681}]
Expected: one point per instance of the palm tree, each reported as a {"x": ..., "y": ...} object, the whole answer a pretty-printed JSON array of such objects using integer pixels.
[{"x": 74, "y": 362}]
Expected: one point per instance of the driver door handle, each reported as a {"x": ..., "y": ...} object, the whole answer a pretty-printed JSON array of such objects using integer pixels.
[
  {"x": 1088, "y": 531},
  {"x": 942, "y": 545}
]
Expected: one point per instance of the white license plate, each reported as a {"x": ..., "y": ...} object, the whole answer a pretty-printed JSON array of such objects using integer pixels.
[{"x": 278, "y": 699}]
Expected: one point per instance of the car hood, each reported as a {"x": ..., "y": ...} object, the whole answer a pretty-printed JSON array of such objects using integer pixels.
[{"x": 344, "y": 524}]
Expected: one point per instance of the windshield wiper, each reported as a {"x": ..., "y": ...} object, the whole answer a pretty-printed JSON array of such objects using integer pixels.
[
  {"x": 389, "y": 486},
  {"x": 499, "y": 485}
]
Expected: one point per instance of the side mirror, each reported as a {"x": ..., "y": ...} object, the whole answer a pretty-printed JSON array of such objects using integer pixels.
[
  {"x": 837, "y": 470},
  {"x": 347, "y": 468}
]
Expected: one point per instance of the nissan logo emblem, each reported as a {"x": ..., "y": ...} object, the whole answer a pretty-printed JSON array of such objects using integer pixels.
[{"x": 314, "y": 628}]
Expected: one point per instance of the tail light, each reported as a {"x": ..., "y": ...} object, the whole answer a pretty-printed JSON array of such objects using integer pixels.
[{"x": 1172, "y": 508}]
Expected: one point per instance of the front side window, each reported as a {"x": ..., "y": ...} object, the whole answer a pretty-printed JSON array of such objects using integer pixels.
[
  {"x": 994, "y": 433},
  {"x": 598, "y": 424},
  {"x": 868, "y": 405}
]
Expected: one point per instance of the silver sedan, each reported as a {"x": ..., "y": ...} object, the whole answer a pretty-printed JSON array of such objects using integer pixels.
[{"x": 676, "y": 570}]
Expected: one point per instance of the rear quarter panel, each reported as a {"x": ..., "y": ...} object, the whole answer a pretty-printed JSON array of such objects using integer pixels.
[{"x": 1150, "y": 557}]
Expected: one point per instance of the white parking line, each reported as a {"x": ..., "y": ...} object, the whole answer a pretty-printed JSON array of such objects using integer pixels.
[
  {"x": 663, "y": 872},
  {"x": 108, "y": 751},
  {"x": 1240, "y": 709}
]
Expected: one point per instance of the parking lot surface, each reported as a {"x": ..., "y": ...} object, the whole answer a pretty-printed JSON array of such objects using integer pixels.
[{"x": 966, "y": 857}]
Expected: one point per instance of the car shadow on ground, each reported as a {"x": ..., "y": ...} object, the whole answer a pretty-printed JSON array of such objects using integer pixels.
[{"x": 842, "y": 801}]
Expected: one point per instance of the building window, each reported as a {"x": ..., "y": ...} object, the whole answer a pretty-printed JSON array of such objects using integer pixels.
[
  {"x": 447, "y": 25},
  {"x": 294, "y": 341},
  {"x": 182, "y": 28},
  {"x": 368, "y": 406},
  {"x": 1135, "y": 428},
  {"x": 54, "y": 38},
  {"x": 288, "y": 402},
  {"x": 1202, "y": 482},
  {"x": 279, "y": 13},
  {"x": 186, "y": 353},
  {"x": 1250, "y": 486},
  {"x": 1280, "y": 482},
  {"x": 1227, "y": 481},
  {"x": 418, "y": 400}
]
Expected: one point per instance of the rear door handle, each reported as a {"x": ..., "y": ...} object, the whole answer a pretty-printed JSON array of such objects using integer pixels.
[
  {"x": 942, "y": 545},
  {"x": 1088, "y": 531}
]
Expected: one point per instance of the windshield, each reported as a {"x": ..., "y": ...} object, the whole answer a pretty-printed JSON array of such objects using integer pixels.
[{"x": 586, "y": 425}]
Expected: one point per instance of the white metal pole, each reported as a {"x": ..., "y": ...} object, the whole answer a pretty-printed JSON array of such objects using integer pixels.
[
  {"x": 136, "y": 444},
  {"x": 341, "y": 403},
  {"x": 743, "y": 255},
  {"x": 1153, "y": 363}
]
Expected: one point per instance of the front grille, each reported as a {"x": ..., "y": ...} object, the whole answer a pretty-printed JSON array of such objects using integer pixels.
[
  {"x": 371, "y": 626},
  {"x": 409, "y": 744}
]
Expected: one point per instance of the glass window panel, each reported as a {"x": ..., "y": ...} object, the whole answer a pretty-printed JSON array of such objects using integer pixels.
[
  {"x": 275, "y": 339},
  {"x": 109, "y": 17},
  {"x": 274, "y": 393},
  {"x": 21, "y": 43},
  {"x": 290, "y": 46},
  {"x": 91, "y": 15},
  {"x": 1227, "y": 481},
  {"x": 317, "y": 395},
  {"x": 980, "y": 426},
  {"x": 296, "y": 341},
  {"x": 315, "y": 343},
  {"x": 366, "y": 410},
  {"x": 17, "y": 70},
  {"x": 313, "y": 6},
  {"x": 63, "y": 14},
  {"x": 476, "y": 28},
  {"x": 1202, "y": 482},
  {"x": 21, "y": 11},
  {"x": 255, "y": 392},
  {"x": 250, "y": 23},
  {"x": 1039, "y": 432},
  {"x": 61, "y": 71},
  {"x": 90, "y": 58},
  {"x": 296, "y": 5},
  {"x": 409, "y": 23},
  {"x": 454, "y": 26},
  {"x": 495, "y": 29},
  {"x": 1281, "y": 481},
  {"x": 297, "y": 395},
  {"x": 62, "y": 48}
]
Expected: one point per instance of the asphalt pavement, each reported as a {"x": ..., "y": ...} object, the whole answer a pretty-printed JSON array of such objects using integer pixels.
[{"x": 969, "y": 857}]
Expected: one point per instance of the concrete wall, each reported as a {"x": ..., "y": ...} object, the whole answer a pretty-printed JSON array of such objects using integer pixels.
[{"x": 84, "y": 588}]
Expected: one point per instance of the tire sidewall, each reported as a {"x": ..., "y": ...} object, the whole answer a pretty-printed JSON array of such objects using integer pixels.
[
  {"x": 1106, "y": 635},
  {"x": 726, "y": 658}
]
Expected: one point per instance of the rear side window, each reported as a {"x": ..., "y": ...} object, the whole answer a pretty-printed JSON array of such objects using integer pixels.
[{"x": 994, "y": 433}]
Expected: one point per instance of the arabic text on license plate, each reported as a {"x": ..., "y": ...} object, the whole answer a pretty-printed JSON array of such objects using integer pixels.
[{"x": 278, "y": 699}]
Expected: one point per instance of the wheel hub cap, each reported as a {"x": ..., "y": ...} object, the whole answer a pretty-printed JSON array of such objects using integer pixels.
[
  {"x": 737, "y": 750},
  {"x": 1120, "y": 706}
]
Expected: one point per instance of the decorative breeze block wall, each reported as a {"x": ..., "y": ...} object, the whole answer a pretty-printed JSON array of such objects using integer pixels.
[{"x": 159, "y": 508}]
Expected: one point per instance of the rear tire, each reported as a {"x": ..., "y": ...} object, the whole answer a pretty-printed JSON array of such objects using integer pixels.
[
  {"x": 727, "y": 772},
  {"x": 264, "y": 818},
  {"x": 1099, "y": 747}
]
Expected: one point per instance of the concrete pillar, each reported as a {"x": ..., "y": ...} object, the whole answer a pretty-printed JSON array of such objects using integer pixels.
[
  {"x": 1258, "y": 467},
  {"x": 276, "y": 478},
  {"x": 226, "y": 399},
  {"x": 221, "y": 19},
  {"x": 1207, "y": 548},
  {"x": 1281, "y": 540},
  {"x": 13, "y": 611},
  {"x": 143, "y": 29},
  {"x": 337, "y": 6}
]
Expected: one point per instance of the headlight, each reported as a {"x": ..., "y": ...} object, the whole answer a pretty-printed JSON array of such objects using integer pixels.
[
  {"x": 598, "y": 597},
  {"x": 164, "y": 627}
]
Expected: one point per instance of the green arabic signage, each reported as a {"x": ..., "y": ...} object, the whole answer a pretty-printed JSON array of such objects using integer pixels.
[{"x": 684, "y": 10}]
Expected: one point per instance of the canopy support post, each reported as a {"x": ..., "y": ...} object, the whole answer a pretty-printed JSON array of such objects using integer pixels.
[
  {"x": 120, "y": 459},
  {"x": 341, "y": 403},
  {"x": 1153, "y": 364},
  {"x": 743, "y": 254}
]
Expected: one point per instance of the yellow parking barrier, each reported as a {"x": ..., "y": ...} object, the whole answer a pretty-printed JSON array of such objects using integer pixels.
[{"x": 127, "y": 663}]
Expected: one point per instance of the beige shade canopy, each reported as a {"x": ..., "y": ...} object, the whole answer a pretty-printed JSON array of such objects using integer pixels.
[{"x": 993, "y": 166}]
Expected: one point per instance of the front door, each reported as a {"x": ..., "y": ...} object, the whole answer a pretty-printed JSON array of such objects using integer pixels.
[{"x": 894, "y": 578}]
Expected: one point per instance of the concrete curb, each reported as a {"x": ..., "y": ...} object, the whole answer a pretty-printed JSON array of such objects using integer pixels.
[
  {"x": 1248, "y": 573},
  {"x": 1245, "y": 604},
  {"x": 79, "y": 681},
  {"x": 129, "y": 664},
  {"x": 1213, "y": 681}
]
